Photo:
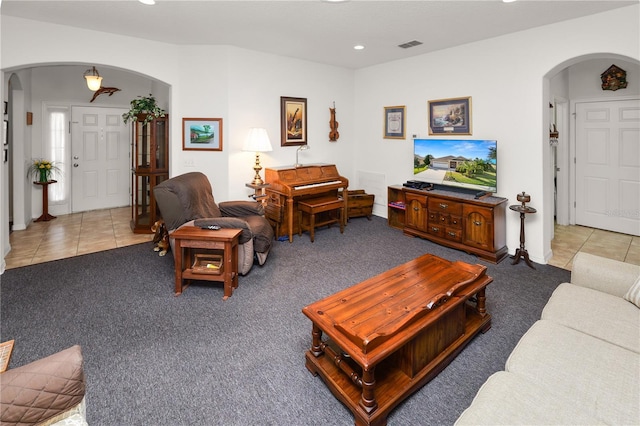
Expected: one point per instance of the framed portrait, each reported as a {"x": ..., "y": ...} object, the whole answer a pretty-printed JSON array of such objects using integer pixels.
[
  {"x": 293, "y": 121},
  {"x": 394, "y": 122},
  {"x": 202, "y": 134},
  {"x": 450, "y": 116}
]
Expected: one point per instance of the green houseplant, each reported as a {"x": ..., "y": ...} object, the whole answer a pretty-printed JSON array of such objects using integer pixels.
[
  {"x": 42, "y": 170},
  {"x": 144, "y": 105}
]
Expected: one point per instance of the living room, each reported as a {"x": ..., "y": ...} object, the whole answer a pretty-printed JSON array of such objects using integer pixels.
[
  {"x": 248, "y": 96},
  {"x": 511, "y": 79}
]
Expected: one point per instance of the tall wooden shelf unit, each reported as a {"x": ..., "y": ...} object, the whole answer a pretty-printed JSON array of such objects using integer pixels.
[
  {"x": 453, "y": 219},
  {"x": 150, "y": 167}
]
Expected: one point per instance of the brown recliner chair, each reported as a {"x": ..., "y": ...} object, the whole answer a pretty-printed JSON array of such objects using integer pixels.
[{"x": 187, "y": 200}]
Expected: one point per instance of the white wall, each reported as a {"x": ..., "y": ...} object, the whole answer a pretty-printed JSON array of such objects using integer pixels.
[{"x": 505, "y": 77}]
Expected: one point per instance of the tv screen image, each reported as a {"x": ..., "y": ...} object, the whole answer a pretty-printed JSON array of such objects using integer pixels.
[{"x": 463, "y": 163}]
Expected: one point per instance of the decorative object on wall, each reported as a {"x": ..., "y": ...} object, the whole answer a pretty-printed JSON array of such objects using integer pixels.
[
  {"x": 144, "y": 105},
  {"x": 614, "y": 78},
  {"x": 333, "y": 125},
  {"x": 293, "y": 121},
  {"x": 104, "y": 90},
  {"x": 29, "y": 118},
  {"x": 553, "y": 136},
  {"x": 93, "y": 79},
  {"x": 202, "y": 134},
  {"x": 450, "y": 116},
  {"x": 394, "y": 122},
  {"x": 257, "y": 141},
  {"x": 300, "y": 148}
]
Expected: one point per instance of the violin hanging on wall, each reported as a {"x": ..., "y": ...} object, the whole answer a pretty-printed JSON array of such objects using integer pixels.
[{"x": 333, "y": 125}]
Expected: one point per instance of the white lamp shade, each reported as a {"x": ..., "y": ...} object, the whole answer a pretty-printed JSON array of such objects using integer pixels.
[
  {"x": 93, "y": 82},
  {"x": 257, "y": 140}
]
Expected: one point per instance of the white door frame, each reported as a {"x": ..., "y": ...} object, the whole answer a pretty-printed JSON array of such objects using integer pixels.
[{"x": 562, "y": 153}]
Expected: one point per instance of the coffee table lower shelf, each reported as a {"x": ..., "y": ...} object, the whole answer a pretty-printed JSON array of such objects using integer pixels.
[{"x": 392, "y": 383}]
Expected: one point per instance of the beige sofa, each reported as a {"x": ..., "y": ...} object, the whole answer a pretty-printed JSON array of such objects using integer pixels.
[{"x": 580, "y": 363}]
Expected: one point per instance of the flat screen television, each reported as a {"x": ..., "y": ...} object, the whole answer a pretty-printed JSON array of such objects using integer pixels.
[{"x": 456, "y": 163}]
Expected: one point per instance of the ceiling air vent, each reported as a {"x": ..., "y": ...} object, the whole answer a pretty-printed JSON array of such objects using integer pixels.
[{"x": 409, "y": 44}]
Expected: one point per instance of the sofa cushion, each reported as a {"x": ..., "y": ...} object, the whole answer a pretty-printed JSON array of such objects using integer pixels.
[
  {"x": 511, "y": 399},
  {"x": 633, "y": 295},
  {"x": 596, "y": 313},
  {"x": 600, "y": 378},
  {"x": 35, "y": 392}
]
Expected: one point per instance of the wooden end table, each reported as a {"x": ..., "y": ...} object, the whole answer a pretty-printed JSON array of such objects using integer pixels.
[
  {"x": 188, "y": 238},
  {"x": 391, "y": 334}
]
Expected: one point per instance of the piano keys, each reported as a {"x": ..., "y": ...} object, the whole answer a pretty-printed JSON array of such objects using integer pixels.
[{"x": 288, "y": 185}]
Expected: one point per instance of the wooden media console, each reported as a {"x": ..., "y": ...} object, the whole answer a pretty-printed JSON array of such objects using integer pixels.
[{"x": 389, "y": 335}]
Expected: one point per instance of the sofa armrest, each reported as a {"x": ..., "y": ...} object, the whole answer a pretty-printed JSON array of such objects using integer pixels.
[
  {"x": 602, "y": 274},
  {"x": 241, "y": 208},
  {"x": 227, "y": 222},
  {"x": 36, "y": 392}
]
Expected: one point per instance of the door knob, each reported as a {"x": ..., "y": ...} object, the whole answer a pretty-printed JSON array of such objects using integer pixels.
[
  {"x": 75, "y": 164},
  {"x": 75, "y": 157}
]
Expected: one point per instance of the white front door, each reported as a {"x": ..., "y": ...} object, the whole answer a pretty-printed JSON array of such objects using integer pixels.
[
  {"x": 100, "y": 164},
  {"x": 608, "y": 165}
]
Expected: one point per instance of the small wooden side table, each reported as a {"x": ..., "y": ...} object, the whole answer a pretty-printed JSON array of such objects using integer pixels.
[
  {"x": 45, "y": 217},
  {"x": 188, "y": 238},
  {"x": 259, "y": 194},
  {"x": 522, "y": 252}
]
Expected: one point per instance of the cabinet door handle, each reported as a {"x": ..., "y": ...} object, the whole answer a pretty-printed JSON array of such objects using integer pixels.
[
  {"x": 452, "y": 234},
  {"x": 442, "y": 219},
  {"x": 416, "y": 209},
  {"x": 476, "y": 223},
  {"x": 443, "y": 206},
  {"x": 434, "y": 229}
]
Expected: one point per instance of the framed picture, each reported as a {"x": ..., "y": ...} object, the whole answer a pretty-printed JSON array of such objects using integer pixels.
[
  {"x": 293, "y": 121},
  {"x": 202, "y": 134},
  {"x": 450, "y": 116},
  {"x": 394, "y": 122}
]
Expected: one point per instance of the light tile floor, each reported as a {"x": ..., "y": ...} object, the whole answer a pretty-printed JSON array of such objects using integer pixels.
[
  {"x": 72, "y": 235},
  {"x": 571, "y": 239},
  {"x": 88, "y": 232}
]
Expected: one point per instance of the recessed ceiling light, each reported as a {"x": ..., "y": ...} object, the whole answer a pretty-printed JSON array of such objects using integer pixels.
[
  {"x": 358, "y": 47},
  {"x": 148, "y": 2},
  {"x": 508, "y": 1}
]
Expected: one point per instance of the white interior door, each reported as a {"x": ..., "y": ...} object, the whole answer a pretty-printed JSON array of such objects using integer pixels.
[
  {"x": 100, "y": 159},
  {"x": 608, "y": 165}
]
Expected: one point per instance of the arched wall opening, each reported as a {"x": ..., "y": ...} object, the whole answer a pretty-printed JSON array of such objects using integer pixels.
[
  {"x": 30, "y": 87},
  {"x": 573, "y": 80}
]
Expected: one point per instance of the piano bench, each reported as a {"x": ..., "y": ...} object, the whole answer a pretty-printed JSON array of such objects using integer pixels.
[{"x": 332, "y": 206}]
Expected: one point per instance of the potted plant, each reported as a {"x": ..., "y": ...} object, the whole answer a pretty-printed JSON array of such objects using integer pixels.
[
  {"x": 42, "y": 170},
  {"x": 144, "y": 105}
]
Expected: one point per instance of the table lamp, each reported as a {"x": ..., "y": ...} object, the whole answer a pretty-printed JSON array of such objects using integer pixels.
[{"x": 257, "y": 141}]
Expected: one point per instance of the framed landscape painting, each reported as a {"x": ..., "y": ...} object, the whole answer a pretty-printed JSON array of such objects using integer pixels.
[
  {"x": 450, "y": 116},
  {"x": 394, "y": 122},
  {"x": 293, "y": 121},
  {"x": 202, "y": 134}
]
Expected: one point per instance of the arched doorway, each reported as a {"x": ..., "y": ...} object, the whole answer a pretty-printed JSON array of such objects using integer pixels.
[{"x": 568, "y": 85}]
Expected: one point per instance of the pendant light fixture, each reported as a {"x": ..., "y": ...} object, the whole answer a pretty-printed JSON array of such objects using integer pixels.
[{"x": 93, "y": 79}]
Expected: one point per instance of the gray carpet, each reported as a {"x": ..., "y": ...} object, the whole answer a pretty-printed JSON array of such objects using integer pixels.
[{"x": 152, "y": 358}]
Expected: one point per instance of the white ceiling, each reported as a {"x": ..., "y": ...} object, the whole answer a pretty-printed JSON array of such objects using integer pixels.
[{"x": 313, "y": 30}]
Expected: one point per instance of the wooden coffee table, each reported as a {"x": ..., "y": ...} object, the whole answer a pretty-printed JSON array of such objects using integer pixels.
[
  {"x": 224, "y": 241},
  {"x": 391, "y": 334}
]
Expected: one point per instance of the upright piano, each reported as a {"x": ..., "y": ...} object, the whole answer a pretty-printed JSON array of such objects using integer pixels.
[{"x": 288, "y": 185}]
